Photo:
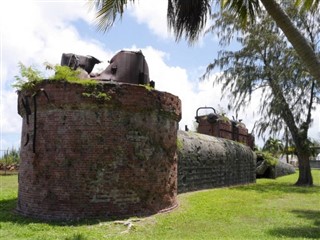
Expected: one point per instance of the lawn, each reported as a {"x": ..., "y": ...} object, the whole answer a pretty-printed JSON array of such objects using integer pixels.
[{"x": 270, "y": 209}]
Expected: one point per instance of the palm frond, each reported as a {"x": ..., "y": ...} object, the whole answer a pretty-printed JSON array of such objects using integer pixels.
[
  {"x": 245, "y": 10},
  {"x": 107, "y": 11},
  {"x": 188, "y": 17}
]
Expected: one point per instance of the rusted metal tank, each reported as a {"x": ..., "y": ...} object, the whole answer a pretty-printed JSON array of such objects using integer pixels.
[
  {"x": 219, "y": 125},
  {"x": 127, "y": 67},
  {"x": 214, "y": 124},
  {"x": 239, "y": 132}
]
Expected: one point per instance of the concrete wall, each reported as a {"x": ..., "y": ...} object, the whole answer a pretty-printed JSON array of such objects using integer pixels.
[
  {"x": 88, "y": 156},
  {"x": 314, "y": 163},
  {"x": 209, "y": 162}
]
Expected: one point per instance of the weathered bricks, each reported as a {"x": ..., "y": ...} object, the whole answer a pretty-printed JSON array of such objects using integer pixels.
[{"x": 87, "y": 156}]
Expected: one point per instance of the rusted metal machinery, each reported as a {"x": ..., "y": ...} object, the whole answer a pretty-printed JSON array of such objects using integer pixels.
[
  {"x": 128, "y": 67},
  {"x": 74, "y": 61},
  {"x": 125, "y": 66},
  {"x": 219, "y": 125}
]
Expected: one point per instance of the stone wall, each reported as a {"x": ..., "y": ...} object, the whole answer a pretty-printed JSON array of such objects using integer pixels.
[
  {"x": 209, "y": 162},
  {"x": 264, "y": 170},
  {"x": 283, "y": 169},
  {"x": 97, "y": 151}
]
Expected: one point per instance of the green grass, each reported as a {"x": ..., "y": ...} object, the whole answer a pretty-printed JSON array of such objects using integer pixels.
[{"x": 270, "y": 209}]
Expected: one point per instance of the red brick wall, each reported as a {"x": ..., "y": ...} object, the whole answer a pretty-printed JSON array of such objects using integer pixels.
[{"x": 97, "y": 158}]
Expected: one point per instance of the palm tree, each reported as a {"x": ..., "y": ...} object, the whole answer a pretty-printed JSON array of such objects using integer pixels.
[
  {"x": 274, "y": 146},
  {"x": 188, "y": 18}
]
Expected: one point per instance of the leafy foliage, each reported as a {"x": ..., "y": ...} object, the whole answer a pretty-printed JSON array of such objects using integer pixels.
[
  {"x": 107, "y": 11},
  {"x": 12, "y": 156},
  {"x": 97, "y": 95},
  {"x": 308, "y": 4},
  {"x": 30, "y": 76},
  {"x": 242, "y": 9},
  {"x": 274, "y": 146},
  {"x": 62, "y": 73},
  {"x": 268, "y": 157},
  {"x": 188, "y": 18},
  {"x": 147, "y": 86}
]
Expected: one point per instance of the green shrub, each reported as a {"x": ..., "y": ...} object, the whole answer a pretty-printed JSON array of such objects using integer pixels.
[
  {"x": 268, "y": 157},
  {"x": 11, "y": 156},
  {"x": 30, "y": 76}
]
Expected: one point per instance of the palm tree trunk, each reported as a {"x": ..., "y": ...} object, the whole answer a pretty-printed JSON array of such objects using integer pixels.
[{"x": 298, "y": 41}]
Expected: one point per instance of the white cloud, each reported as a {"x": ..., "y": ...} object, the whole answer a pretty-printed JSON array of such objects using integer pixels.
[
  {"x": 154, "y": 14},
  {"x": 10, "y": 121},
  {"x": 39, "y": 31},
  {"x": 35, "y": 32},
  {"x": 314, "y": 131}
]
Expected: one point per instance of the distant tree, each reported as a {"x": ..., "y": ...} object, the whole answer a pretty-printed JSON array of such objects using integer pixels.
[
  {"x": 266, "y": 62},
  {"x": 274, "y": 146},
  {"x": 10, "y": 156}
]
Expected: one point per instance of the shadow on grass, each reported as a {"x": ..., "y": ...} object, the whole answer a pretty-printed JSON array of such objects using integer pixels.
[
  {"x": 283, "y": 184},
  {"x": 278, "y": 186},
  {"x": 8, "y": 214},
  {"x": 312, "y": 232}
]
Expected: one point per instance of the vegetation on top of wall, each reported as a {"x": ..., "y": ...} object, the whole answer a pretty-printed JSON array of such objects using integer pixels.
[
  {"x": 65, "y": 73},
  {"x": 97, "y": 95},
  {"x": 28, "y": 79},
  {"x": 30, "y": 76},
  {"x": 147, "y": 86},
  {"x": 223, "y": 118}
]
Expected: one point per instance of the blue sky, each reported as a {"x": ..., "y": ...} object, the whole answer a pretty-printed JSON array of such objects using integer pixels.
[{"x": 39, "y": 31}]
